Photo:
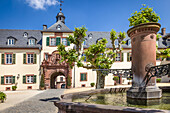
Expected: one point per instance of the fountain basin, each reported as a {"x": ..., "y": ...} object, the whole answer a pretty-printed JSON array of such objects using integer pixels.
[{"x": 66, "y": 105}]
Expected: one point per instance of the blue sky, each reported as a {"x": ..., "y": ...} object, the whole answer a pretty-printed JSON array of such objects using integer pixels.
[{"x": 96, "y": 15}]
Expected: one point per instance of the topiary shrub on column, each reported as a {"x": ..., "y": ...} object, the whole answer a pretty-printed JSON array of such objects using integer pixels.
[
  {"x": 68, "y": 82},
  {"x": 42, "y": 84}
]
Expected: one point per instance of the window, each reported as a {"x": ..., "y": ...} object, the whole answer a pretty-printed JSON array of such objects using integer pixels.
[
  {"x": 64, "y": 41},
  {"x": 31, "y": 41},
  {"x": 84, "y": 43},
  {"x": 83, "y": 55},
  {"x": 8, "y": 80},
  {"x": 53, "y": 42},
  {"x": 168, "y": 42},
  {"x": 116, "y": 43},
  {"x": 129, "y": 42},
  {"x": 25, "y": 34},
  {"x": 83, "y": 76},
  {"x": 30, "y": 79},
  {"x": 61, "y": 79},
  {"x": 118, "y": 57},
  {"x": 59, "y": 27},
  {"x": 8, "y": 58},
  {"x": 10, "y": 41},
  {"x": 30, "y": 58},
  {"x": 46, "y": 56},
  {"x": 129, "y": 56},
  {"x": 90, "y": 35}
]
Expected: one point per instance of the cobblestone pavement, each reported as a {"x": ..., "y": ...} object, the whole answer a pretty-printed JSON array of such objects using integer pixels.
[{"x": 41, "y": 103}]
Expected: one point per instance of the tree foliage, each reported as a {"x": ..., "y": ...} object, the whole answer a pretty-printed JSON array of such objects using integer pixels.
[
  {"x": 97, "y": 55},
  {"x": 145, "y": 15}
]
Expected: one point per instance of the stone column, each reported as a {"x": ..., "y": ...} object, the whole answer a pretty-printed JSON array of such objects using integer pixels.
[{"x": 143, "y": 41}]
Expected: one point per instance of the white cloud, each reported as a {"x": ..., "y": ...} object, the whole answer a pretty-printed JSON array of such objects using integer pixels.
[{"x": 42, "y": 4}]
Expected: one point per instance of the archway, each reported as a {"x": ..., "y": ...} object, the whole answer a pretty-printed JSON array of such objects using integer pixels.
[{"x": 57, "y": 81}]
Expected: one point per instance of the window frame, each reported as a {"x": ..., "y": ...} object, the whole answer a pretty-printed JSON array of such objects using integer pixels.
[
  {"x": 45, "y": 56},
  {"x": 11, "y": 40},
  {"x": 65, "y": 41},
  {"x": 30, "y": 43},
  {"x": 120, "y": 57},
  {"x": 30, "y": 58},
  {"x": 80, "y": 76},
  {"x": 10, "y": 58},
  {"x": 53, "y": 41},
  {"x": 5, "y": 76},
  {"x": 32, "y": 79},
  {"x": 130, "y": 56}
]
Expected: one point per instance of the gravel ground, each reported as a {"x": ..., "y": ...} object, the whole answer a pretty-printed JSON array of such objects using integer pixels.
[{"x": 41, "y": 103}]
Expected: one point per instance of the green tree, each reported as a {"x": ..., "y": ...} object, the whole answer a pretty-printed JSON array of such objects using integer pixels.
[{"x": 97, "y": 55}]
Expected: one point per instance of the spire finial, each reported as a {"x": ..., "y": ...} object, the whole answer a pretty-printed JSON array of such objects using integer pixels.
[{"x": 61, "y": 1}]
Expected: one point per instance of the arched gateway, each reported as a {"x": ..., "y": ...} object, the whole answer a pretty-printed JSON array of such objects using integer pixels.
[{"x": 55, "y": 73}]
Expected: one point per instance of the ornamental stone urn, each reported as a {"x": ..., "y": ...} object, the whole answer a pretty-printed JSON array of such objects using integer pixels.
[{"x": 143, "y": 41}]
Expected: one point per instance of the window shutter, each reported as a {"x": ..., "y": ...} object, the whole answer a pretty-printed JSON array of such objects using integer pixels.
[
  {"x": 13, "y": 59},
  {"x": 128, "y": 58},
  {"x": 2, "y": 79},
  {"x": 58, "y": 39},
  {"x": 85, "y": 77},
  {"x": 81, "y": 77},
  {"x": 122, "y": 57},
  {"x": 35, "y": 78},
  {"x": 47, "y": 41},
  {"x": 24, "y": 58},
  {"x": 13, "y": 79},
  {"x": 2, "y": 59},
  {"x": 35, "y": 58},
  {"x": 68, "y": 42},
  {"x": 24, "y": 79}
]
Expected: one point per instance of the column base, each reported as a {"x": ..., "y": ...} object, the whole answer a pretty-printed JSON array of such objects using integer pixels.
[{"x": 144, "y": 96}]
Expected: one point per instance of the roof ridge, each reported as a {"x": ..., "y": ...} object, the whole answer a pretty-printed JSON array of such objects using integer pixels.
[{"x": 20, "y": 29}]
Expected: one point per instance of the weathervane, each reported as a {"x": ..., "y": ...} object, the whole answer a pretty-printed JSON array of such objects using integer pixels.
[{"x": 61, "y": 1}]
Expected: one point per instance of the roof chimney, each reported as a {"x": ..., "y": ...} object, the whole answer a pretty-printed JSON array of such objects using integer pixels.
[
  {"x": 163, "y": 31},
  {"x": 44, "y": 27}
]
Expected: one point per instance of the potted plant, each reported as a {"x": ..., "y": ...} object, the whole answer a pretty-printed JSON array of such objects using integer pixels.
[
  {"x": 92, "y": 84},
  {"x": 68, "y": 82},
  {"x": 129, "y": 82},
  {"x": 115, "y": 78},
  {"x": 2, "y": 97},
  {"x": 14, "y": 88},
  {"x": 42, "y": 84},
  {"x": 158, "y": 80},
  {"x": 143, "y": 40}
]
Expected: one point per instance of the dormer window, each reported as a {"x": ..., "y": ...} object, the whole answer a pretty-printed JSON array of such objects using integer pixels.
[
  {"x": 31, "y": 41},
  {"x": 90, "y": 35},
  {"x": 129, "y": 42},
  {"x": 168, "y": 42},
  {"x": 11, "y": 41},
  {"x": 59, "y": 27},
  {"x": 84, "y": 43},
  {"x": 25, "y": 34},
  {"x": 116, "y": 43}
]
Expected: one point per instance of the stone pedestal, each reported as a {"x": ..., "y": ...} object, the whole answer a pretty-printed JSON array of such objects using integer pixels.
[{"x": 143, "y": 41}]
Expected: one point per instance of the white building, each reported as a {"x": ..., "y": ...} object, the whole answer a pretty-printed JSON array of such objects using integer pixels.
[{"x": 26, "y": 54}]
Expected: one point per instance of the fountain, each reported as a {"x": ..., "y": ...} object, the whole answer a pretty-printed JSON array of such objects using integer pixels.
[{"x": 143, "y": 43}]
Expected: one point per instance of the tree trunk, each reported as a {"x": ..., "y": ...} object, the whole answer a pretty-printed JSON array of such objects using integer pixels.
[{"x": 100, "y": 82}]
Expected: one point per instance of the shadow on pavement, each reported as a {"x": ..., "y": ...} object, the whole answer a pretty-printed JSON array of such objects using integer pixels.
[{"x": 54, "y": 99}]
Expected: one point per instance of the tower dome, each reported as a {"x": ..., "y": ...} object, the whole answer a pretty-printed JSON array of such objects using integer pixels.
[{"x": 60, "y": 16}]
